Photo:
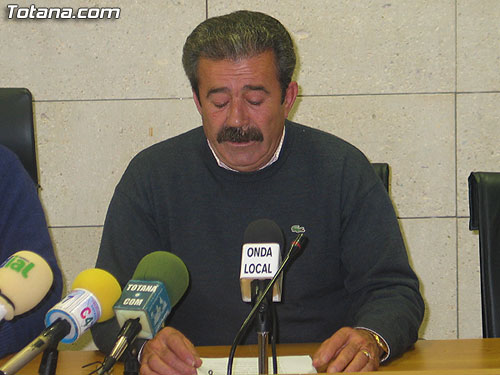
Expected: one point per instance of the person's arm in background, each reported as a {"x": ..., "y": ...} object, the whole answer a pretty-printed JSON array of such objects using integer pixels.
[{"x": 23, "y": 227}]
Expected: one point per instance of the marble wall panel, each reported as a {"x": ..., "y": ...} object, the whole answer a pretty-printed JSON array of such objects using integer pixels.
[
  {"x": 431, "y": 245},
  {"x": 84, "y": 147},
  {"x": 469, "y": 282},
  {"x": 413, "y": 133},
  {"x": 135, "y": 56},
  {"x": 478, "y": 38}
]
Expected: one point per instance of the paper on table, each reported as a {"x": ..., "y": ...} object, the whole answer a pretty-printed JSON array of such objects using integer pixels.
[{"x": 297, "y": 364}]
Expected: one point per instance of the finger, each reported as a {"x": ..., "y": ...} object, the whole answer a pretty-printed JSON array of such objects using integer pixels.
[
  {"x": 329, "y": 349},
  {"x": 194, "y": 352},
  {"x": 170, "y": 352},
  {"x": 323, "y": 356},
  {"x": 148, "y": 367},
  {"x": 178, "y": 364},
  {"x": 183, "y": 349},
  {"x": 145, "y": 370},
  {"x": 362, "y": 361},
  {"x": 167, "y": 364},
  {"x": 344, "y": 357}
]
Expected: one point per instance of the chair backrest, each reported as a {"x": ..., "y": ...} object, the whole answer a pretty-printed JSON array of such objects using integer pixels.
[
  {"x": 484, "y": 206},
  {"x": 383, "y": 171},
  {"x": 16, "y": 127}
]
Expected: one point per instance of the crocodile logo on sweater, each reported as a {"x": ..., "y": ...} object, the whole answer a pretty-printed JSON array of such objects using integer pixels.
[{"x": 297, "y": 229}]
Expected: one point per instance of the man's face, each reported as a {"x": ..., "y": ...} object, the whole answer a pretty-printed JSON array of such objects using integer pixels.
[{"x": 241, "y": 109}]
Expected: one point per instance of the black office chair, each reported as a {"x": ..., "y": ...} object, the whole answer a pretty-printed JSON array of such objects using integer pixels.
[
  {"x": 383, "y": 171},
  {"x": 16, "y": 127},
  {"x": 484, "y": 206}
]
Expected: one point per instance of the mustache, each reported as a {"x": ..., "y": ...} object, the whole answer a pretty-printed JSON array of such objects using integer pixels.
[{"x": 239, "y": 135}]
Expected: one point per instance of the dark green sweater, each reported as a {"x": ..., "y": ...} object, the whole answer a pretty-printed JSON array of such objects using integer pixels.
[{"x": 354, "y": 272}]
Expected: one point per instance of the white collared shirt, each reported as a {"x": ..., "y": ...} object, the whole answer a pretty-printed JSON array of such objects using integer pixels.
[{"x": 271, "y": 161}]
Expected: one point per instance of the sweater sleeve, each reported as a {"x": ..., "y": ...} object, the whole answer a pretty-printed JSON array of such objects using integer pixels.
[
  {"x": 129, "y": 234},
  {"x": 383, "y": 287},
  {"x": 23, "y": 227}
]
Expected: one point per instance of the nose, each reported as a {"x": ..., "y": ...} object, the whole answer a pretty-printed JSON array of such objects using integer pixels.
[{"x": 237, "y": 115}]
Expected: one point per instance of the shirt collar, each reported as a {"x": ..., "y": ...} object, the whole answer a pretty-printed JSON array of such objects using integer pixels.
[{"x": 271, "y": 161}]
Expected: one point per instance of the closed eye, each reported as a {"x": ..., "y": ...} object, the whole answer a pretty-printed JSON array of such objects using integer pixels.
[
  {"x": 220, "y": 105},
  {"x": 255, "y": 102}
]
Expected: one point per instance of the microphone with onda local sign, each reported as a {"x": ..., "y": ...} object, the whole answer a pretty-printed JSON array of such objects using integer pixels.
[
  {"x": 94, "y": 291},
  {"x": 158, "y": 283},
  {"x": 263, "y": 242},
  {"x": 260, "y": 259},
  {"x": 25, "y": 278},
  {"x": 296, "y": 247}
]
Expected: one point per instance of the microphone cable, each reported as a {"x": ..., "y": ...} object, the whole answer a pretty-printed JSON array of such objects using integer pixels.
[{"x": 297, "y": 245}]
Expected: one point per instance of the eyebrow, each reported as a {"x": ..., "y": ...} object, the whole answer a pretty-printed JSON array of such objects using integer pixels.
[{"x": 246, "y": 87}]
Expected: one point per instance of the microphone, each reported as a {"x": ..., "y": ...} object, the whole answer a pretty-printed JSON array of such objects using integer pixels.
[
  {"x": 296, "y": 247},
  {"x": 25, "y": 278},
  {"x": 158, "y": 283},
  {"x": 93, "y": 294},
  {"x": 260, "y": 257}
]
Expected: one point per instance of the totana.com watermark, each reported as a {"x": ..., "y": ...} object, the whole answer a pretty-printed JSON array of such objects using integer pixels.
[{"x": 14, "y": 11}]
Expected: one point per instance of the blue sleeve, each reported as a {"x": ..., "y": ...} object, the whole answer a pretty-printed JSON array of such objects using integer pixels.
[{"x": 23, "y": 227}]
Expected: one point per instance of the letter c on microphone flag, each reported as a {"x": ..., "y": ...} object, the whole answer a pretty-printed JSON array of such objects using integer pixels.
[{"x": 91, "y": 301}]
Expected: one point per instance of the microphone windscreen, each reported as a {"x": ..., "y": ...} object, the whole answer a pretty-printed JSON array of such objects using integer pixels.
[
  {"x": 264, "y": 231},
  {"x": 165, "y": 267},
  {"x": 25, "y": 278},
  {"x": 103, "y": 286}
]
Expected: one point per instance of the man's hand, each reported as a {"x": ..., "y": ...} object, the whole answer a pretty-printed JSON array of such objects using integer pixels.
[
  {"x": 348, "y": 350},
  {"x": 169, "y": 352}
]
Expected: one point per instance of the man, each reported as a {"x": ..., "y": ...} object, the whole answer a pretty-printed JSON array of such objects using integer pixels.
[
  {"x": 195, "y": 194},
  {"x": 23, "y": 227}
]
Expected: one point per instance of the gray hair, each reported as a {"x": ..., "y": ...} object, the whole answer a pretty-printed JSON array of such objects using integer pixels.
[{"x": 238, "y": 35}]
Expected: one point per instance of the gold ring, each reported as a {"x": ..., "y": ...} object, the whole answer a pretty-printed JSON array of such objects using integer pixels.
[{"x": 367, "y": 353}]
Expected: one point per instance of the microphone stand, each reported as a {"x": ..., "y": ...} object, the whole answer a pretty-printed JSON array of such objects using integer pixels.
[
  {"x": 131, "y": 366},
  {"x": 48, "y": 363},
  {"x": 263, "y": 323},
  {"x": 274, "y": 338},
  {"x": 126, "y": 337}
]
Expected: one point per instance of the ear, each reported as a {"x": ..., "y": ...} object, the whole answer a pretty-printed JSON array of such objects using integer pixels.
[
  {"x": 197, "y": 102},
  {"x": 291, "y": 94}
]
